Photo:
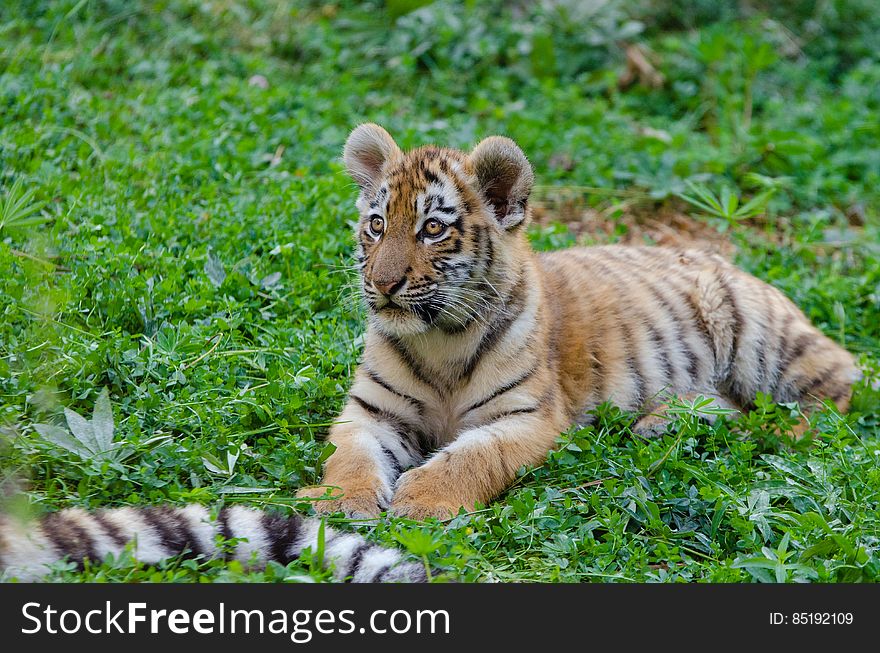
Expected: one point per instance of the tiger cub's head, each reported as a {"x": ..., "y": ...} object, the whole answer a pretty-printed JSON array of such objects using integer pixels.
[{"x": 440, "y": 235}]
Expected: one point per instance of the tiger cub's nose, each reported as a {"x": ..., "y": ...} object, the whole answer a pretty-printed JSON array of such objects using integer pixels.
[{"x": 388, "y": 288}]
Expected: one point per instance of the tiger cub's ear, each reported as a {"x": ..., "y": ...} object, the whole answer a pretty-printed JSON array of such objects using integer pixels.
[
  {"x": 504, "y": 177},
  {"x": 366, "y": 151}
]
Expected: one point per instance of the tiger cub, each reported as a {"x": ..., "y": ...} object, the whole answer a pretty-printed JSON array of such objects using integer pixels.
[{"x": 480, "y": 351}]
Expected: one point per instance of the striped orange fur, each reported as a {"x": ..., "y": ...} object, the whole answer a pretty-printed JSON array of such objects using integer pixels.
[{"x": 479, "y": 351}]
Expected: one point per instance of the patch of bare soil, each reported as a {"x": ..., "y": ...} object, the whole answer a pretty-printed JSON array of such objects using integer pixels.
[{"x": 667, "y": 226}]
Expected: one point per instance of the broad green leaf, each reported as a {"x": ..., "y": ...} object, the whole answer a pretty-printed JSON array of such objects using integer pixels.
[
  {"x": 62, "y": 438},
  {"x": 82, "y": 430},
  {"x": 824, "y": 548},
  {"x": 213, "y": 464},
  {"x": 102, "y": 422}
]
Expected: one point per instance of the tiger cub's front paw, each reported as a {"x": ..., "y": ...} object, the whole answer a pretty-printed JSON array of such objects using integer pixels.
[
  {"x": 363, "y": 503},
  {"x": 419, "y": 495}
]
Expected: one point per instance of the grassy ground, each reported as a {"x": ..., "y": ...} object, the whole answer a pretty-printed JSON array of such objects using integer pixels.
[{"x": 175, "y": 228}]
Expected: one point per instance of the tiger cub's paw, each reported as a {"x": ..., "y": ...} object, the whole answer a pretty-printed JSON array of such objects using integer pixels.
[
  {"x": 422, "y": 510},
  {"x": 419, "y": 497},
  {"x": 365, "y": 503},
  {"x": 651, "y": 426}
]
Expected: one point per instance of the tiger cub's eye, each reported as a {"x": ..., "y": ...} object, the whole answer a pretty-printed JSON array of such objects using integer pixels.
[
  {"x": 434, "y": 228},
  {"x": 377, "y": 225}
]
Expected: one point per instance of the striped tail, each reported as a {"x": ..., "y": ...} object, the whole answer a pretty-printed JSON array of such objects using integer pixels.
[{"x": 161, "y": 532}]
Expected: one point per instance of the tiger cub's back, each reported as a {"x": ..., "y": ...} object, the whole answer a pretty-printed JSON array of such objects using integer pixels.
[{"x": 638, "y": 322}]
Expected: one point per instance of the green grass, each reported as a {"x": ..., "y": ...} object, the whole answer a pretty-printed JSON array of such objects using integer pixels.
[{"x": 180, "y": 235}]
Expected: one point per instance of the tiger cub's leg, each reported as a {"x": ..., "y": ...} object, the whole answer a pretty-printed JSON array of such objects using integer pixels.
[
  {"x": 372, "y": 449},
  {"x": 476, "y": 467},
  {"x": 764, "y": 343},
  {"x": 656, "y": 419},
  {"x": 823, "y": 372}
]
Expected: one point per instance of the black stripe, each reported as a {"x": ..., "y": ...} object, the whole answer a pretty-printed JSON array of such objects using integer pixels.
[
  {"x": 430, "y": 176},
  {"x": 600, "y": 375},
  {"x": 282, "y": 533},
  {"x": 507, "y": 413},
  {"x": 728, "y": 376},
  {"x": 814, "y": 383},
  {"x": 804, "y": 387},
  {"x": 397, "y": 468},
  {"x": 673, "y": 279},
  {"x": 169, "y": 528},
  {"x": 451, "y": 269},
  {"x": 842, "y": 390},
  {"x": 634, "y": 369},
  {"x": 69, "y": 538},
  {"x": 782, "y": 348},
  {"x": 697, "y": 317},
  {"x": 194, "y": 544},
  {"x": 662, "y": 343},
  {"x": 769, "y": 340},
  {"x": 794, "y": 353},
  {"x": 406, "y": 430},
  {"x": 737, "y": 322},
  {"x": 678, "y": 332},
  {"x": 413, "y": 365},
  {"x": 461, "y": 324},
  {"x": 674, "y": 283},
  {"x": 453, "y": 246},
  {"x": 419, "y": 405},
  {"x": 503, "y": 389},
  {"x": 685, "y": 293},
  {"x": 625, "y": 330},
  {"x": 677, "y": 322},
  {"x": 113, "y": 531},
  {"x": 661, "y": 347},
  {"x": 426, "y": 312},
  {"x": 225, "y": 531},
  {"x": 356, "y": 557},
  {"x": 512, "y": 307},
  {"x": 370, "y": 408},
  {"x": 157, "y": 518},
  {"x": 399, "y": 423},
  {"x": 377, "y": 577},
  {"x": 452, "y": 177},
  {"x": 761, "y": 356},
  {"x": 490, "y": 253}
]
